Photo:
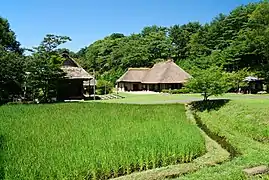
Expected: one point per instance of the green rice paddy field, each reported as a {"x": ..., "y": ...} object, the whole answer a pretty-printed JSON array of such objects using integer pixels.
[{"x": 93, "y": 140}]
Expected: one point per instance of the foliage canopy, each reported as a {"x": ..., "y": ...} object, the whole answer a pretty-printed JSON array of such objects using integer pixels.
[
  {"x": 234, "y": 41},
  {"x": 211, "y": 81}
]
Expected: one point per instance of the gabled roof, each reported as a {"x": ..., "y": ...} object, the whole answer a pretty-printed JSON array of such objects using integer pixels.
[
  {"x": 163, "y": 72},
  {"x": 73, "y": 70},
  {"x": 166, "y": 72},
  {"x": 252, "y": 78},
  {"x": 133, "y": 75},
  {"x": 76, "y": 73}
]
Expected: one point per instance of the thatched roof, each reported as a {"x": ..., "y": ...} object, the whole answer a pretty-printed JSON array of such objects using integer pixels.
[
  {"x": 163, "y": 72},
  {"x": 252, "y": 79},
  {"x": 73, "y": 70},
  {"x": 76, "y": 73},
  {"x": 133, "y": 75},
  {"x": 166, "y": 72}
]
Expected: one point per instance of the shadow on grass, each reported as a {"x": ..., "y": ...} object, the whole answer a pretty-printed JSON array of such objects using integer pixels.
[
  {"x": 2, "y": 171},
  {"x": 200, "y": 106},
  {"x": 219, "y": 139},
  {"x": 3, "y": 103},
  {"x": 208, "y": 105}
]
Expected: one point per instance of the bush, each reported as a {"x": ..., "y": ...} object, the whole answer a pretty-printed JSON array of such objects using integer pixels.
[
  {"x": 103, "y": 87},
  {"x": 176, "y": 91},
  {"x": 184, "y": 90},
  {"x": 20, "y": 102},
  {"x": 165, "y": 91},
  {"x": 209, "y": 82}
]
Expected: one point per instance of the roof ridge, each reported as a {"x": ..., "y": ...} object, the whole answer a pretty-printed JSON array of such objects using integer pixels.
[
  {"x": 170, "y": 60},
  {"x": 181, "y": 69},
  {"x": 162, "y": 72},
  {"x": 72, "y": 59},
  {"x": 122, "y": 76},
  {"x": 138, "y": 68}
]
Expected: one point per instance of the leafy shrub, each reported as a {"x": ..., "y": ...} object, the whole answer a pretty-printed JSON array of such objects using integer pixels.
[
  {"x": 166, "y": 91},
  {"x": 103, "y": 87},
  {"x": 184, "y": 90},
  {"x": 176, "y": 91},
  {"x": 209, "y": 82},
  {"x": 21, "y": 102}
]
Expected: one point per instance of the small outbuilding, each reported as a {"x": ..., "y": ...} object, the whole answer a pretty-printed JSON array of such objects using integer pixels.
[
  {"x": 78, "y": 83},
  {"x": 163, "y": 75},
  {"x": 254, "y": 85}
]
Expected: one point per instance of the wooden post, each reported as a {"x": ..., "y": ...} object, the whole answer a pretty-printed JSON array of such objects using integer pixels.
[
  {"x": 93, "y": 84},
  {"x": 117, "y": 88},
  {"x": 89, "y": 88}
]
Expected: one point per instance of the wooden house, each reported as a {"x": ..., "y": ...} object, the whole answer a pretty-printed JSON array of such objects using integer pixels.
[
  {"x": 78, "y": 83},
  {"x": 163, "y": 75}
]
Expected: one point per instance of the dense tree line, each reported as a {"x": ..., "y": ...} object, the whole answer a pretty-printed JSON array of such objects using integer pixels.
[
  {"x": 11, "y": 62},
  {"x": 29, "y": 77},
  {"x": 235, "y": 41}
]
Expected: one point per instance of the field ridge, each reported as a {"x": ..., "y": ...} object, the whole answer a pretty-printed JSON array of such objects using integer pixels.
[{"x": 224, "y": 122}]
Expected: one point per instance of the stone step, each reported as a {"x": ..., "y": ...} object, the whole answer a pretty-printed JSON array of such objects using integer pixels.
[
  {"x": 263, "y": 169},
  {"x": 111, "y": 96}
]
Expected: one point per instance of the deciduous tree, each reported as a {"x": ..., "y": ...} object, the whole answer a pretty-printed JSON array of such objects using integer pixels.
[
  {"x": 209, "y": 82},
  {"x": 8, "y": 40},
  {"x": 43, "y": 69}
]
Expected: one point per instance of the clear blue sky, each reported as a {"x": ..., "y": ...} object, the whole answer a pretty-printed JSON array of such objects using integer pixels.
[{"x": 86, "y": 21}]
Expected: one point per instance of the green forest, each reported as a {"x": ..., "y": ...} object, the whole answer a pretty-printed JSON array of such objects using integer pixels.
[
  {"x": 234, "y": 41},
  {"x": 238, "y": 41}
]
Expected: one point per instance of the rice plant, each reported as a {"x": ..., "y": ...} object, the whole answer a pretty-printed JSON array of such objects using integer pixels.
[{"x": 94, "y": 140}]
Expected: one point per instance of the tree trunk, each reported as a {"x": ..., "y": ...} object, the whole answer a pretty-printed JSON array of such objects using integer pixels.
[
  {"x": 205, "y": 97},
  {"x": 238, "y": 87}
]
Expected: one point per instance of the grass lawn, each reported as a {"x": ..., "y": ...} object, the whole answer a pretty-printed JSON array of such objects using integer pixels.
[
  {"x": 245, "y": 125},
  {"x": 151, "y": 98},
  {"x": 249, "y": 117},
  {"x": 93, "y": 140},
  {"x": 175, "y": 98}
]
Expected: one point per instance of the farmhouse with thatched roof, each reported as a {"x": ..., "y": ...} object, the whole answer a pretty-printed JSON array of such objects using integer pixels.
[
  {"x": 77, "y": 84},
  {"x": 163, "y": 75}
]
